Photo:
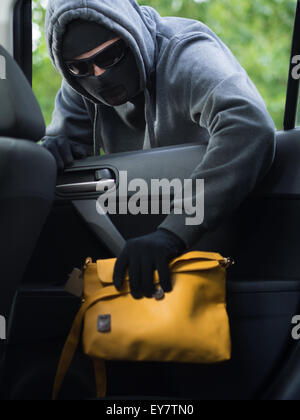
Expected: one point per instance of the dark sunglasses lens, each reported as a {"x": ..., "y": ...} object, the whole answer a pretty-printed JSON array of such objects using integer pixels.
[
  {"x": 104, "y": 59},
  {"x": 111, "y": 56},
  {"x": 78, "y": 69}
]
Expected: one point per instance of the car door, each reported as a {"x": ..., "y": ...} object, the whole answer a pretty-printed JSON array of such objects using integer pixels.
[{"x": 263, "y": 287}]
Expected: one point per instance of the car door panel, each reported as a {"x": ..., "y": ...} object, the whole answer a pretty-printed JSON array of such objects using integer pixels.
[{"x": 263, "y": 285}]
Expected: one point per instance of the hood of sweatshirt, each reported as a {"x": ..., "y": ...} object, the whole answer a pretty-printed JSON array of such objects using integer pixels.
[{"x": 124, "y": 17}]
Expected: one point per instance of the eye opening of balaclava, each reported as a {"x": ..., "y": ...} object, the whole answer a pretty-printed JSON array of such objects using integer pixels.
[{"x": 116, "y": 85}]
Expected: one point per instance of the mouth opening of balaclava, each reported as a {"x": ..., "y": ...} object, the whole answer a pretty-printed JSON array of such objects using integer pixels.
[{"x": 116, "y": 85}]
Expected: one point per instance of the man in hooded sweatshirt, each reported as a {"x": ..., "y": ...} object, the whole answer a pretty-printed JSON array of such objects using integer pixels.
[{"x": 135, "y": 80}]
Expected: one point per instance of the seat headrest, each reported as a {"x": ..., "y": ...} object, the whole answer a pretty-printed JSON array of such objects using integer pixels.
[{"x": 20, "y": 114}]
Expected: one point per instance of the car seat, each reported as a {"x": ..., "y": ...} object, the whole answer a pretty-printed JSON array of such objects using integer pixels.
[{"x": 27, "y": 178}]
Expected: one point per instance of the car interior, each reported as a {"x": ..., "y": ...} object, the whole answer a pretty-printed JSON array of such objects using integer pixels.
[{"x": 49, "y": 225}]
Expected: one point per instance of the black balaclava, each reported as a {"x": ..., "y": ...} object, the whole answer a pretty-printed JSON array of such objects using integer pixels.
[{"x": 118, "y": 84}]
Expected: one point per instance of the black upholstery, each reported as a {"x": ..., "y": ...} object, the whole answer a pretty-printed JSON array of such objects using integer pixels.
[
  {"x": 27, "y": 180},
  {"x": 20, "y": 114},
  {"x": 27, "y": 183}
]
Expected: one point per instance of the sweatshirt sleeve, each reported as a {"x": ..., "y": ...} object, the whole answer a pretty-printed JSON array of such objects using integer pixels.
[
  {"x": 71, "y": 119},
  {"x": 216, "y": 93}
]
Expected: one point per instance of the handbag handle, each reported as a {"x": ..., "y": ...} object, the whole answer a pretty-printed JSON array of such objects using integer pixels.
[
  {"x": 199, "y": 255},
  {"x": 206, "y": 260}
]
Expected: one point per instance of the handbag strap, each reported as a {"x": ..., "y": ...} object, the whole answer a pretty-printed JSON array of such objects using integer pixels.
[
  {"x": 73, "y": 339},
  {"x": 101, "y": 377}
]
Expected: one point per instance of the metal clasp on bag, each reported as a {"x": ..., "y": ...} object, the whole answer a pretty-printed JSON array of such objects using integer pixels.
[
  {"x": 159, "y": 294},
  {"x": 227, "y": 262},
  {"x": 88, "y": 261}
]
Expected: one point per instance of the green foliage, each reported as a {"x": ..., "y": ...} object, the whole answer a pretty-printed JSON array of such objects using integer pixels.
[
  {"x": 258, "y": 32},
  {"x": 46, "y": 80}
]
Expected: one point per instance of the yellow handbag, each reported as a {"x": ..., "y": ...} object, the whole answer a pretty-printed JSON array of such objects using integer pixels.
[{"x": 188, "y": 325}]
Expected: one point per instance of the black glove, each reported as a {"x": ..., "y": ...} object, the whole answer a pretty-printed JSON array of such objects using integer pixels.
[
  {"x": 143, "y": 256},
  {"x": 64, "y": 150}
]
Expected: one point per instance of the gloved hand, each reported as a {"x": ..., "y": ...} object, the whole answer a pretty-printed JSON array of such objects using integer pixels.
[
  {"x": 64, "y": 150},
  {"x": 143, "y": 256}
]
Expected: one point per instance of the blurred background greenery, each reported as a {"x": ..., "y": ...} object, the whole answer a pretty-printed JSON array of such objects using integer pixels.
[{"x": 259, "y": 33}]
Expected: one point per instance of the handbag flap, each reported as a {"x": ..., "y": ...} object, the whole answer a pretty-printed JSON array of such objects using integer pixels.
[{"x": 192, "y": 261}]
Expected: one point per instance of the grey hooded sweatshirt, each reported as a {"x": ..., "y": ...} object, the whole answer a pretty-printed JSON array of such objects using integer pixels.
[{"x": 195, "y": 91}]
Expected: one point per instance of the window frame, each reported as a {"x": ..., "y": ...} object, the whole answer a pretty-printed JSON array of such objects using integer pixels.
[
  {"x": 292, "y": 96},
  {"x": 22, "y": 36}
]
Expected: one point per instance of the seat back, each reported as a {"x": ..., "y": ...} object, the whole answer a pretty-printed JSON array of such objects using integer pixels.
[
  {"x": 20, "y": 114},
  {"x": 27, "y": 177}
]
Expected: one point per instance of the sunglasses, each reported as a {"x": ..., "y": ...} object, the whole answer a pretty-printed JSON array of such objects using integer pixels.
[{"x": 105, "y": 59}]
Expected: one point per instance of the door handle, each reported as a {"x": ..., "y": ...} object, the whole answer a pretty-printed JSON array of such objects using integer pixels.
[{"x": 87, "y": 187}]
